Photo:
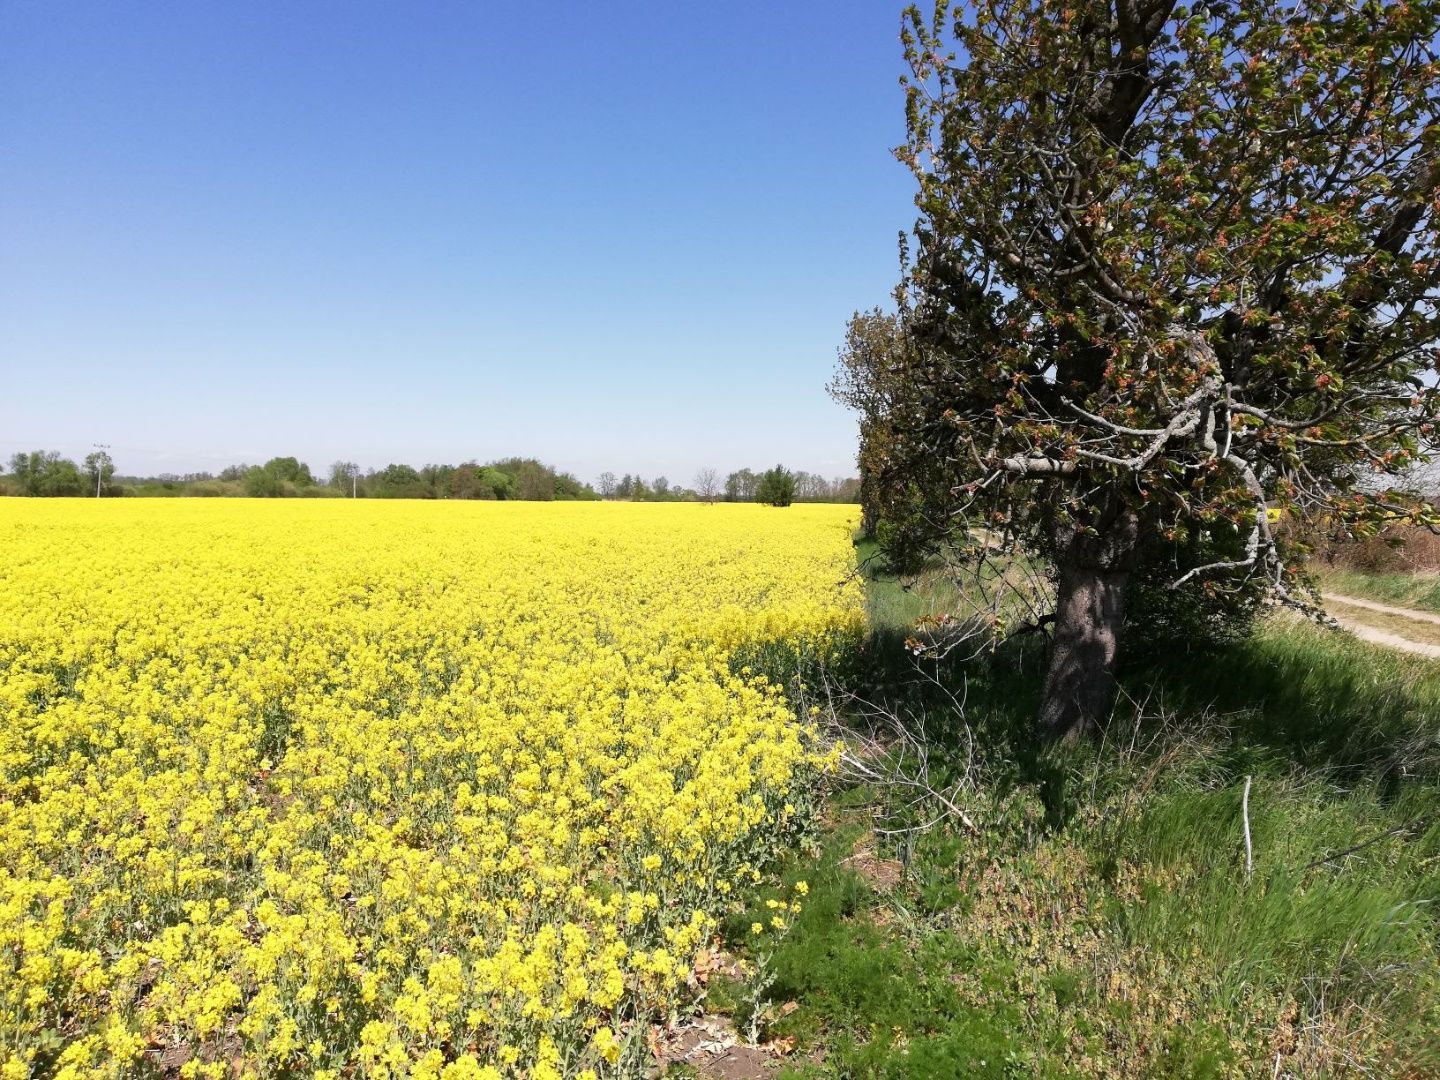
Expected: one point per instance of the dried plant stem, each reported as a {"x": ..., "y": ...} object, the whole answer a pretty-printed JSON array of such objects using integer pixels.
[{"x": 1245, "y": 816}]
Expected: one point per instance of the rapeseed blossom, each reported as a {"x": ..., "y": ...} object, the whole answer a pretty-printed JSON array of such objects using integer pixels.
[{"x": 384, "y": 790}]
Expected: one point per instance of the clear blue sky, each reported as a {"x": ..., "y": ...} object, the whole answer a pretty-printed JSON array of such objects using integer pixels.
[{"x": 619, "y": 236}]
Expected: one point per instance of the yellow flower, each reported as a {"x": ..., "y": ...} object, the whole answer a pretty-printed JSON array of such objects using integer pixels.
[
  {"x": 371, "y": 784},
  {"x": 606, "y": 1044}
]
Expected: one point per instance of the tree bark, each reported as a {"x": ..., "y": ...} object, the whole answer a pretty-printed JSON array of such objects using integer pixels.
[{"x": 1095, "y": 570}]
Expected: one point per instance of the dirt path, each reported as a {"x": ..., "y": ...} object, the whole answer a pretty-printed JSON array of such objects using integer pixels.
[
  {"x": 1350, "y": 611},
  {"x": 1372, "y": 605}
]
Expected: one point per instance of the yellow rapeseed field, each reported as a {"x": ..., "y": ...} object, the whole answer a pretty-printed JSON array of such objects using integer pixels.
[{"x": 387, "y": 789}]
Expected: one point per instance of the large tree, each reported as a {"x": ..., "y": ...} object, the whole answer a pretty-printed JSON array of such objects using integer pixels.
[
  {"x": 707, "y": 484},
  {"x": 776, "y": 487},
  {"x": 1174, "y": 278}
]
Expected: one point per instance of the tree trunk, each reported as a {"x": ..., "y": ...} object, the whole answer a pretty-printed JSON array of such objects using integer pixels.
[
  {"x": 1089, "y": 617},
  {"x": 1080, "y": 682}
]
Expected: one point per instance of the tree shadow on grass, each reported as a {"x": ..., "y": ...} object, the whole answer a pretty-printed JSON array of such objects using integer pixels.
[
  {"x": 1290, "y": 699},
  {"x": 1317, "y": 700}
]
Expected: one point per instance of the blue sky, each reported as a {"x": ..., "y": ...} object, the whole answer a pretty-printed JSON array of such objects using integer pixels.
[{"x": 619, "y": 236}]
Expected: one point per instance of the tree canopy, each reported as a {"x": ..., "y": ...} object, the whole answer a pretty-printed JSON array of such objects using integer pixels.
[{"x": 1174, "y": 276}]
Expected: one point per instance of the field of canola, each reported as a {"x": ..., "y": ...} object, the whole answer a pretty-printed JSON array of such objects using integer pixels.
[{"x": 346, "y": 789}]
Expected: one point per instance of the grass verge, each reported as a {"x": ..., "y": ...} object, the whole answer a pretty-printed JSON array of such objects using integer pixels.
[
  {"x": 1099, "y": 920},
  {"x": 1403, "y": 590}
]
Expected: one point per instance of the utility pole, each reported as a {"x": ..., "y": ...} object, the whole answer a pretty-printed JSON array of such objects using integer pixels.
[
  {"x": 104, "y": 449},
  {"x": 354, "y": 481}
]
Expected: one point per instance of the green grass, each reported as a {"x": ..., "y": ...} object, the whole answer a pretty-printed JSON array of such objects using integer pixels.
[
  {"x": 1403, "y": 590},
  {"x": 1100, "y": 921},
  {"x": 896, "y": 604}
]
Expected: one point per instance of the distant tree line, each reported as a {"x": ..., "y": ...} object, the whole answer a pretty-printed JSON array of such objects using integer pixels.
[
  {"x": 635, "y": 489},
  {"x": 778, "y": 486},
  {"x": 47, "y": 473},
  {"x": 781, "y": 486},
  {"x": 508, "y": 478}
]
